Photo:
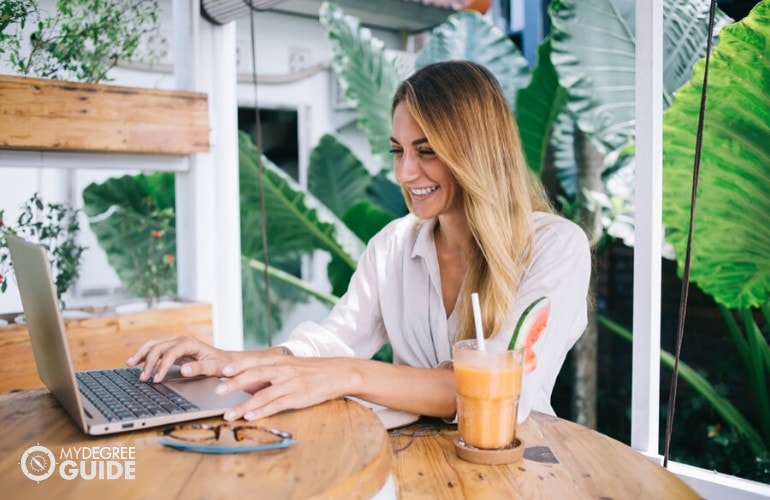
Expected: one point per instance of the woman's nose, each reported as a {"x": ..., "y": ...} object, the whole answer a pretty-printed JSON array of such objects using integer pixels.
[{"x": 407, "y": 169}]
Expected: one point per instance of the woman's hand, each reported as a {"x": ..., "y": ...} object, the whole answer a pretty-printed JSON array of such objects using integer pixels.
[
  {"x": 285, "y": 382},
  {"x": 194, "y": 356}
]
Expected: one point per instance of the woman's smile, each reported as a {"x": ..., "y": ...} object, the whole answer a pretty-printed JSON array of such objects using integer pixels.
[{"x": 422, "y": 192}]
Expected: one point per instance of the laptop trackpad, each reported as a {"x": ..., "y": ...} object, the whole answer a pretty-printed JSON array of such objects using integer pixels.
[{"x": 200, "y": 392}]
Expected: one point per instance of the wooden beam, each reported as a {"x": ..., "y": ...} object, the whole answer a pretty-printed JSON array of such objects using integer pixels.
[{"x": 57, "y": 115}]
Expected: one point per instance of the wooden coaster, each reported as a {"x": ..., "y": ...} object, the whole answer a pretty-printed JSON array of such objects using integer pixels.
[{"x": 490, "y": 457}]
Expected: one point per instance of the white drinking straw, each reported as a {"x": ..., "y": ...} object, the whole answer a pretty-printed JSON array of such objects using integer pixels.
[{"x": 477, "y": 319}]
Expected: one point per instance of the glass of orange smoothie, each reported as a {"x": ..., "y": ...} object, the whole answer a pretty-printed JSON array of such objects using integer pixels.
[{"x": 488, "y": 384}]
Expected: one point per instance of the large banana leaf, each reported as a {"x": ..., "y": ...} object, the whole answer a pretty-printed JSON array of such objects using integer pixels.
[
  {"x": 385, "y": 193},
  {"x": 253, "y": 291},
  {"x": 366, "y": 71},
  {"x": 594, "y": 55},
  {"x": 685, "y": 27},
  {"x": 471, "y": 36},
  {"x": 731, "y": 243},
  {"x": 132, "y": 218},
  {"x": 297, "y": 222},
  {"x": 593, "y": 52},
  {"x": 336, "y": 176},
  {"x": 341, "y": 182},
  {"x": 365, "y": 219},
  {"x": 537, "y": 107}
]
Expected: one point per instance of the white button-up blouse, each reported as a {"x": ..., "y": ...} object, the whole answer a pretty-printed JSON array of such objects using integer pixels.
[{"x": 395, "y": 295}]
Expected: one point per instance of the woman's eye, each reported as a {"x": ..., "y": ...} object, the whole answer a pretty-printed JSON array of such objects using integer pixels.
[
  {"x": 427, "y": 152},
  {"x": 395, "y": 151}
]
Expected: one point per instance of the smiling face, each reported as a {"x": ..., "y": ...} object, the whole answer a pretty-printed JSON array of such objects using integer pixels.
[{"x": 427, "y": 181}]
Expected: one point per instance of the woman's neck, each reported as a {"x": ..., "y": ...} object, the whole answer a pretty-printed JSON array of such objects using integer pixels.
[
  {"x": 452, "y": 234},
  {"x": 452, "y": 241}
]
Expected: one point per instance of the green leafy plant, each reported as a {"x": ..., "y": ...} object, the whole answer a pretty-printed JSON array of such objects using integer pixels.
[
  {"x": 53, "y": 225},
  {"x": 730, "y": 248},
  {"x": 14, "y": 13},
  {"x": 82, "y": 40},
  {"x": 134, "y": 221},
  {"x": 712, "y": 445}
]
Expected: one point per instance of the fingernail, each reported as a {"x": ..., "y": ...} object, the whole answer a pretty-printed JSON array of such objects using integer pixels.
[
  {"x": 249, "y": 416},
  {"x": 228, "y": 370},
  {"x": 130, "y": 361},
  {"x": 221, "y": 389},
  {"x": 156, "y": 378},
  {"x": 186, "y": 370},
  {"x": 230, "y": 415}
]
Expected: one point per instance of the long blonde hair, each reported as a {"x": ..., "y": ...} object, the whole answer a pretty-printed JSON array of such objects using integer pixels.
[{"x": 466, "y": 118}]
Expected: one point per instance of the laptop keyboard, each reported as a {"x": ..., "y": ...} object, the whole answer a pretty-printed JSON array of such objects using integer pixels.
[{"x": 120, "y": 395}]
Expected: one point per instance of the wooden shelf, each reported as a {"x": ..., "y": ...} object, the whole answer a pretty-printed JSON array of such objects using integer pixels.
[{"x": 53, "y": 115}]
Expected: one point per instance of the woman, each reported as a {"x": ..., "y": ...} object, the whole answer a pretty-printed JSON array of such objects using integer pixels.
[{"x": 479, "y": 222}]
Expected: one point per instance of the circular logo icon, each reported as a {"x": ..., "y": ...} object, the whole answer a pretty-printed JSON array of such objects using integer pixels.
[{"x": 38, "y": 463}]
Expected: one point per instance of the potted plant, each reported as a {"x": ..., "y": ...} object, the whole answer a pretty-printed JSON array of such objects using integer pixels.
[
  {"x": 53, "y": 225},
  {"x": 134, "y": 221}
]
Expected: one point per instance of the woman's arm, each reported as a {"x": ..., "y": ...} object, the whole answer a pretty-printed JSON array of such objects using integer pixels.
[
  {"x": 281, "y": 382},
  {"x": 294, "y": 382},
  {"x": 560, "y": 270}
]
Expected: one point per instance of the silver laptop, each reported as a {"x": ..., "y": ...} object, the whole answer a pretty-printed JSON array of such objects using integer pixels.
[{"x": 102, "y": 401}]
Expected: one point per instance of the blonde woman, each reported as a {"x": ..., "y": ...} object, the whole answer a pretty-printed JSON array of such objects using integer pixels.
[{"x": 479, "y": 222}]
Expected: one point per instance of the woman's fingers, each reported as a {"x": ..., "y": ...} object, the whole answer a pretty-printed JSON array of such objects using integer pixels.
[
  {"x": 201, "y": 358},
  {"x": 289, "y": 395},
  {"x": 261, "y": 359},
  {"x": 152, "y": 356},
  {"x": 186, "y": 348},
  {"x": 288, "y": 383},
  {"x": 140, "y": 354},
  {"x": 207, "y": 367}
]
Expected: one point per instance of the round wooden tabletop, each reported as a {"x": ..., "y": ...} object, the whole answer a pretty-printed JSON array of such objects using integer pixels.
[
  {"x": 561, "y": 460},
  {"x": 343, "y": 451}
]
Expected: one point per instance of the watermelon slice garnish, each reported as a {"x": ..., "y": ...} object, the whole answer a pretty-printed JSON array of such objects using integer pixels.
[{"x": 528, "y": 329}]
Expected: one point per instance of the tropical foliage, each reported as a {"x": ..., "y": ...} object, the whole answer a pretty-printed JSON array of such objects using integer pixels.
[
  {"x": 133, "y": 220},
  {"x": 730, "y": 254}
]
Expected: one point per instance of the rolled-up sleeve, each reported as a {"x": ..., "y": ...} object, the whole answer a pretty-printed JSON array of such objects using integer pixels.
[{"x": 354, "y": 327}]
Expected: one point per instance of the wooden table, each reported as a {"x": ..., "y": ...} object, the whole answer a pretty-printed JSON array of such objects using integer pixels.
[
  {"x": 343, "y": 452},
  {"x": 561, "y": 460}
]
